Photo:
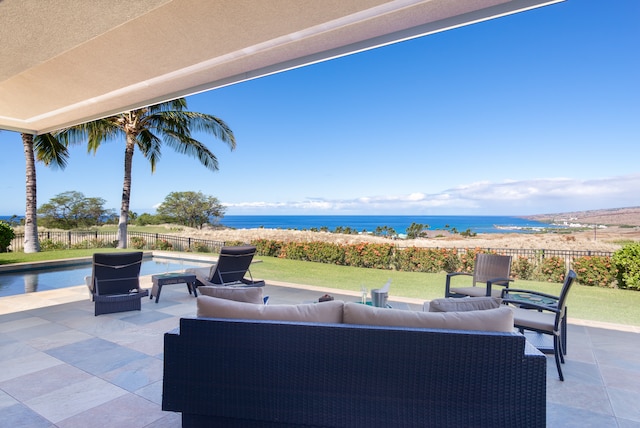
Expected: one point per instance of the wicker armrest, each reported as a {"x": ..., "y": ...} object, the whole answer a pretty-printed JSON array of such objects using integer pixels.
[{"x": 448, "y": 282}]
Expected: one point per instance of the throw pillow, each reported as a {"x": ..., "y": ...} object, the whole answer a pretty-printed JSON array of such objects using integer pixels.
[
  {"x": 500, "y": 319},
  {"x": 452, "y": 304},
  {"x": 326, "y": 312},
  {"x": 239, "y": 294}
]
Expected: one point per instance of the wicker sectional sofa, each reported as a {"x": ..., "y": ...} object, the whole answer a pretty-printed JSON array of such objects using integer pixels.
[{"x": 262, "y": 373}]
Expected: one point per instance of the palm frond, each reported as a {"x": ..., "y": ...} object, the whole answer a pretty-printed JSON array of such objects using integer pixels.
[
  {"x": 149, "y": 145},
  {"x": 93, "y": 133},
  {"x": 50, "y": 151},
  {"x": 190, "y": 146}
]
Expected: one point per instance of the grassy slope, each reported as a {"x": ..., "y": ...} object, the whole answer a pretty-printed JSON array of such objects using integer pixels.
[{"x": 589, "y": 303}]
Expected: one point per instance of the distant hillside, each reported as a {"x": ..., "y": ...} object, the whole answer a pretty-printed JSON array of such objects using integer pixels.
[{"x": 629, "y": 216}]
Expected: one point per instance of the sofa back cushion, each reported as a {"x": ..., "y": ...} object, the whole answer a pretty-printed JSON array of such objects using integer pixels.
[
  {"x": 239, "y": 294},
  {"x": 454, "y": 304},
  {"x": 500, "y": 319},
  {"x": 325, "y": 312}
]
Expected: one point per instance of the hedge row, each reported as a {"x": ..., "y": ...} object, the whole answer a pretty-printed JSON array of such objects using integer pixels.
[{"x": 598, "y": 271}]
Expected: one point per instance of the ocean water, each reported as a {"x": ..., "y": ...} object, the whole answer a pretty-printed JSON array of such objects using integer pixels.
[{"x": 399, "y": 223}]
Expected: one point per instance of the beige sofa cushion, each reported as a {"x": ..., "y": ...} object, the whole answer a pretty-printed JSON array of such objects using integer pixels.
[
  {"x": 500, "y": 319},
  {"x": 239, "y": 294},
  {"x": 325, "y": 312},
  {"x": 453, "y": 304}
]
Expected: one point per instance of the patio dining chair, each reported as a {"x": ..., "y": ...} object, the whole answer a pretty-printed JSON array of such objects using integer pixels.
[
  {"x": 488, "y": 270},
  {"x": 543, "y": 318},
  {"x": 115, "y": 282}
]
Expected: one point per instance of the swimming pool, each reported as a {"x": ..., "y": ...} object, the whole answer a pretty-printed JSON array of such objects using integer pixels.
[{"x": 32, "y": 280}]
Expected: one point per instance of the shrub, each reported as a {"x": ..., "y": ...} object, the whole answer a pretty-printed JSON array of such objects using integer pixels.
[
  {"x": 50, "y": 245},
  {"x": 293, "y": 251},
  {"x": 91, "y": 243},
  {"x": 413, "y": 259},
  {"x": 201, "y": 247},
  {"x": 6, "y": 235},
  {"x": 377, "y": 256},
  {"x": 450, "y": 260},
  {"x": 522, "y": 268},
  {"x": 432, "y": 260},
  {"x": 627, "y": 263},
  {"x": 163, "y": 244},
  {"x": 552, "y": 269},
  {"x": 468, "y": 260},
  {"x": 138, "y": 242},
  {"x": 266, "y": 247},
  {"x": 325, "y": 252},
  {"x": 595, "y": 270}
]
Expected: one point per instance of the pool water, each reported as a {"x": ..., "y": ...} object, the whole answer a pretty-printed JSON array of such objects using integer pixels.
[{"x": 68, "y": 276}]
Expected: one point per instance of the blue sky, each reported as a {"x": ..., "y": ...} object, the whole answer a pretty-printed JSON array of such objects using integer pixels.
[{"x": 531, "y": 113}]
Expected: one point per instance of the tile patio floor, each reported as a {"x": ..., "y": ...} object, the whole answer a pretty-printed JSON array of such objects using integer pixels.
[{"x": 62, "y": 367}]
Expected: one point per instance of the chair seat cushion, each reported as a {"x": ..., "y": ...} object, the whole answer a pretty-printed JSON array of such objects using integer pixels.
[
  {"x": 475, "y": 291},
  {"x": 325, "y": 312},
  {"x": 500, "y": 319},
  {"x": 238, "y": 294},
  {"x": 455, "y": 304},
  {"x": 533, "y": 319}
]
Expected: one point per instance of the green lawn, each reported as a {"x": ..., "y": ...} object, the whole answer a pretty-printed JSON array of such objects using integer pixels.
[{"x": 589, "y": 303}]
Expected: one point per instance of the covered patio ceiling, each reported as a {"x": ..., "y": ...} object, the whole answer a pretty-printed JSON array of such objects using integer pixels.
[{"x": 71, "y": 61}]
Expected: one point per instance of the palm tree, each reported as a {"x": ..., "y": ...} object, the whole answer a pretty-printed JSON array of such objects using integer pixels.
[
  {"x": 49, "y": 150},
  {"x": 147, "y": 128}
]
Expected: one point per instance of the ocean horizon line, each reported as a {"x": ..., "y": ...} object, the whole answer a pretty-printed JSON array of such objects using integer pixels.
[
  {"x": 370, "y": 222},
  {"x": 399, "y": 223}
]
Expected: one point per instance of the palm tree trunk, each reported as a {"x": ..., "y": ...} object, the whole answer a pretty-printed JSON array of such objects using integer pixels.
[
  {"x": 31, "y": 242},
  {"x": 126, "y": 192}
]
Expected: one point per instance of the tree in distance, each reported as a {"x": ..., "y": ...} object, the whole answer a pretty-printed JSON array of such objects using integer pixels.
[
  {"x": 193, "y": 209},
  {"x": 72, "y": 210},
  {"x": 417, "y": 230}
]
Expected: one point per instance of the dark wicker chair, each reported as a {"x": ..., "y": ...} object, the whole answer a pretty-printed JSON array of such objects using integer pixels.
[
  {"x": 488, "y": 269},
  {"x": 231, "y": 268},
  {"x": 543, "y": 318},
  {"x": 115, "y": 282}
]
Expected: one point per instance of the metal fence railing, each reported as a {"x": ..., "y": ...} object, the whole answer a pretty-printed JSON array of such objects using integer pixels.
[{"x": 139, "y": 240}]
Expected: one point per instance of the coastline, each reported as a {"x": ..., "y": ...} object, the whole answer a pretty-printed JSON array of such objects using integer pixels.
[{"x": 622, "y": 225}]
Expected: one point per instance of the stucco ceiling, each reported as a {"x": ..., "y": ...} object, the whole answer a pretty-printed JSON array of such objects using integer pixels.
[{"x": 69, "y": 61}]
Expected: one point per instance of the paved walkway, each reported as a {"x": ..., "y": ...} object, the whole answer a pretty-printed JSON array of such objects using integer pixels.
[{"x": 62, "y": 367}]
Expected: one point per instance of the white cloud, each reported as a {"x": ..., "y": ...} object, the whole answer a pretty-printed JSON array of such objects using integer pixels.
[{"x": 484, "y": 197}]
